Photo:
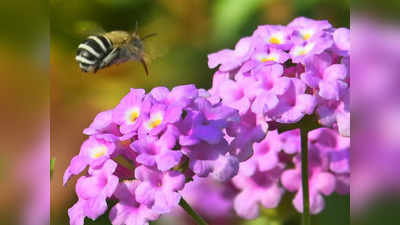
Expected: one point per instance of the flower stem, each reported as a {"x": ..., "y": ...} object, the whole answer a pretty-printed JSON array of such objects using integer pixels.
[
  {"x": 199, "y": 220},
  {"x": 304, "y": 176},
  {"x": 52, "y": 163}
]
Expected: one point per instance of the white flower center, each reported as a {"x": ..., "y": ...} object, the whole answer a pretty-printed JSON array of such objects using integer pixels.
[
  {"x": 132, "y": 115},
  {"x": 154, "y": 121}
]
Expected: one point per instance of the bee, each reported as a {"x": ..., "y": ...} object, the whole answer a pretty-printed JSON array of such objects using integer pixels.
[{"x": 115, "y": 47}]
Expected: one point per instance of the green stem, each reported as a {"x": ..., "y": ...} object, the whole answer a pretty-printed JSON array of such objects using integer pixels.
[
  {"x": 52, "y": 163},
  {"x": 304, "y": 176},
  {"x": 308, "y": 123},
  {"x": 199, "y": 220}
]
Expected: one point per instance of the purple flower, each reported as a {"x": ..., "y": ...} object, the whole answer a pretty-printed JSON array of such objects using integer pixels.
[
  {"x": 94, "y": 152},
  {"x": 329, "y": 78},
  {"x": 265, "y": 155},
  {"x": 333, "y": 112},
  {"x": 307, "y": 29},
  {"x": 276, "y": 36},
  {"x": 341, "y": 36},
  {"x": 335, "y": 146},
  {"x": 235, "y": 95},
  {"x": 260, "y": 188},
  {"x": 269, "y": 85},
  {"x": 195, "y": 128},
  {"x": 328, "y": 159},
  {"x": 293, "y": 102},
  {"x": 291, "y": 142},
  {"x": 303, "y": 50},
  {"x": 128, "y": 211},
  {"x": 232, "y": 59},
  {"x": 102, "y": 124},
  {"x": 218, "y": 78},
  {"x": 93, "y": 192},
  {"x": 277, "y": 75},
  {"x": 158, "y": 190},
  {"x": 129, "y": 112},
  {"x": 320, "y": 183},
  {"x": 159, "y": 117},
  {"x": 263, "y": 57},
  {"x": 242, "y": 135},
  {"x": 208, "y": 159},
  {"x": 157, "y": 152},
  {"x": 219, "y": 197},
  {"x": 311, "y": 37}
]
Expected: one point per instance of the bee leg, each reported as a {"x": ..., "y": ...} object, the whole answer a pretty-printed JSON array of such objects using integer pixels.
[
  {"x": 108, "y": 60},
  {"x": 145, "y": 66}
]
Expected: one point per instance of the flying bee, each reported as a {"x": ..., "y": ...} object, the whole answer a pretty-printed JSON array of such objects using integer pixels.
[{"x": 101, "y": 51}]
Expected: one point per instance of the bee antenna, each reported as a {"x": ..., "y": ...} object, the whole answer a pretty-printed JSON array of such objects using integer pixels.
[
  {"x": 137, "y": 26},
  {"x": 149, "y": 36}
]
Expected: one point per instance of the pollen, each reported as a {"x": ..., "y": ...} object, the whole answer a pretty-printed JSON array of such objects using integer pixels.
[
  {"x": 268, "y": 59},
  {"x": 132, "y": 115},
  {"x": 98, "y": 152},
  {"x": 154, "y": 121},
  {"x": 307, "y": 36},
  {"x": 300, "y": 51},
  {"x": 275, "y": 40}
]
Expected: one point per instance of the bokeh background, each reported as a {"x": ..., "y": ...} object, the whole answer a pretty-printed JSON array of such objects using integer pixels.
[{"x": 186, "y": 32}]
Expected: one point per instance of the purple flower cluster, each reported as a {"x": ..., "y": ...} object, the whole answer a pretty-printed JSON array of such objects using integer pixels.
[
  {"x": 168, "y": 137},
  {"x": 171, "y": 137},
  {"x": 285, "y": 72},
  {"x": 279, "y": 74}
]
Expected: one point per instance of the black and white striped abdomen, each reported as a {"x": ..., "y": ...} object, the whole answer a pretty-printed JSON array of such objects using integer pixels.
[{"x": 92, "y": 51}]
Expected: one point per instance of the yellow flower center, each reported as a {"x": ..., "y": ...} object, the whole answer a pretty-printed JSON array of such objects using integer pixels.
[
  {"x": 98, "y": 152},
  {"x": 275, "y": 40},
  {"x": 268, "y": 59},
  {"x": 154, "y": 121},
  {"x": 307, "y": 36},
  {"x": 132, "y": 115},
  {"x": 304, "y": 50}
]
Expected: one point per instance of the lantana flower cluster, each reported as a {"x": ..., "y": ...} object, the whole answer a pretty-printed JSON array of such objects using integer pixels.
[
  {"x": 285, "y": 72},
  {"x": 282, "y": 73},
  {"x": 144, "y": 153},
  {"x": 165, "y": 138},
  {"x": 275, "y": 170}
]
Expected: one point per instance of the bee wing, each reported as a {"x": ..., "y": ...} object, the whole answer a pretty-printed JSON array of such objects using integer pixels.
[
  {"x": 154, "y": 48},
  {"x": 86, "y": 28}
]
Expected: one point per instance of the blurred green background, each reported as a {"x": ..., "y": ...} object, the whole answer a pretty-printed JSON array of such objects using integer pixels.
[{"x": 187, "y": 30}]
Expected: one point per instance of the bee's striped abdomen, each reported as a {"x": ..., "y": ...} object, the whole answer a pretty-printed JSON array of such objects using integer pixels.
[{"x": 92, "y": 51}]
